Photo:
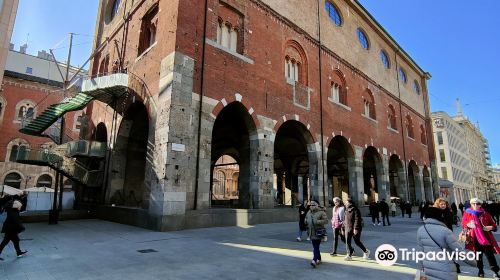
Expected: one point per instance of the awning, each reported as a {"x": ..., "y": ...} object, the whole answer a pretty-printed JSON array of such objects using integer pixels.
[{"x": 443, "y": 183}]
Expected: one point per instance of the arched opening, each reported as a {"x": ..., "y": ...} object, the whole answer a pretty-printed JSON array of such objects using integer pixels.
[
  {"x": 371, "y": 169},
  {"x": 129, "y": 160},
  {"x": 44, "y": 181},
  {"x": 397, "y": 178},
  {"x": 429, "y": 196},
  {"x": 101, "y": 133},
  {"x": 231, "y": 143},
  {"x": 413, "y": 182},
  {"x": 340, "y": 155},
  {"x": 295, "y": 166},
  {"x": 225, "y": 182},
  {"x": 13, "y": 179}
]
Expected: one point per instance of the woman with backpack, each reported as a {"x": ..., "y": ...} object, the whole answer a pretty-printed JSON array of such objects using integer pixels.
[
  {"x": 352, "y": 227},
  {"x": 316, "y": 219}
]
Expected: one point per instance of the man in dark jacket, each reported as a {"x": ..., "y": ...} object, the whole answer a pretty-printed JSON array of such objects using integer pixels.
[
  {"x": 461, "y": 207},
  {"x": 352, "y": 227},
  {"x": 12, "y": 227},
  {"x": 384, "y": 209},
  {"x": 408, "y": 208},
  {"x": 374, "y": 212}
]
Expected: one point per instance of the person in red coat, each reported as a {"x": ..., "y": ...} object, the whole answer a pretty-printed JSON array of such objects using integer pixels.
[{"x": 481, "y": 225}]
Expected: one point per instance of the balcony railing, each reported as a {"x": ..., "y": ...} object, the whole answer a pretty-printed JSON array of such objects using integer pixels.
[{"x": 86, "y": 148}]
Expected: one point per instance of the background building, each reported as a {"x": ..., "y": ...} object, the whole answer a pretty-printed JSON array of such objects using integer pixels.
[
  {"x": 452, "y": 158},
  {"x": 178, "y": 85},
  {"x": 30, "y": 85},
  {"x": 462, "y": 155}
]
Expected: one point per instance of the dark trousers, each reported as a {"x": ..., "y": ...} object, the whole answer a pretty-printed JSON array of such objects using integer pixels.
[
  {"x": 357, "y": 240},
  {"x": 489, "y": 251},
  {"x": 393, "y": 213},
  {"x": 316, "y": 253},
  {"x": 11, "y": 237},
  {"x": 375, "y": 216},
  {"x": 402, "y": 213},
  {"x": 409, "y": 214},
  {"x": 336, "y": 234},
  {"x": 384, "y": 217}
]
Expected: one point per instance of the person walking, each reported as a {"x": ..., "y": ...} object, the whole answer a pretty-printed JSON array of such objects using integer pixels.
[
  {"x": 461, "y": 207},
  {"x": 393, "y": 208},
  {"x": 442, "y": 204},
  {"x": 352, "y": 227},
  {"x": 338, "y": 214},
  {"x": 480, "y": 226},
  {"x": 435, "y": 237},
  {"x": 384, "y": 210},
  {"x": 408, "y": 209},
  {"x": 12, "y": 227},
  {"x": 302, "y": 222},
  {"x": 316, "y": 219},
  {"x": 374, "y": 212},
  {"x": 454, "y": 211}
]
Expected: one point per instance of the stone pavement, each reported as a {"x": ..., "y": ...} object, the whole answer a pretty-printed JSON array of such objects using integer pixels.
[{"x": 95, "y": 249}]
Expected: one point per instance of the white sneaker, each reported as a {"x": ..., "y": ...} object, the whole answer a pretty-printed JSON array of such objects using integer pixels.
[
  {"x": 299, "y": 239},
  {"x": 366, "y": 255},
  {"x": 378, "y": 224},
  {"x": 348, "y": 258},
  {"x": 308, "y": 239},
  {"x": 374, "y": 224}
]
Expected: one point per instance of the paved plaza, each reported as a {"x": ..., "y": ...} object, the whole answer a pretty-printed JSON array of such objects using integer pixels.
[{"x": 95, "y": 249}]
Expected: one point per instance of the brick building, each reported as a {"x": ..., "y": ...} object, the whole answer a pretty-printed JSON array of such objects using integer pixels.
[
  {"x": 30, "y": 85},
  {"x": 310, "y": 101}
]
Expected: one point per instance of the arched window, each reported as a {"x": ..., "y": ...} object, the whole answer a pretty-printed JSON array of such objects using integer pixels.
[
  {"x": 402, "y": 75},
  {"x": 385, "y": 59},
  {"x": 114, "y": 8},
  {"x": 416, "y": 87},
  {"x": 148, "y": 29},
  {"x": 338, "y": 89},
  {"x": 44, "y": 181},
  {"x": 227, "y": 35},
  {"x": 295, "y": 63},
  {"x": 2, "y": 106},
  {"x": 25, "y": 110},
  {"x": 13, "y": 179},
  {"x": 369, "y": 105},
  {"x": 391, "y": 116},
  {"x": 333, "y": 13},
  {"x": 363, "y": 39},
  {"x": 409, "y": 127},
  {"x": 423, "y": 135},
  {"x": 13, "y": 153}
]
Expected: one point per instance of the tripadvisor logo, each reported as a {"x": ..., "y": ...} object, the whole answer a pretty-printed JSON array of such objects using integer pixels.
[{"x": 387, "y": 255}]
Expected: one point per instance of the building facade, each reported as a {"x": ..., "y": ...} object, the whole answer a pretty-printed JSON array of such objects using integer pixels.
[
  {"x": 8, "y": 11},
  {"x": 310, "y": 102},
  {"x": 452, "y": 156},
  {"x": 29, "y": 87}
]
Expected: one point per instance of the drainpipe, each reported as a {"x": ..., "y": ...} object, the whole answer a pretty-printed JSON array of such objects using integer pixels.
[
  {"x": 402, "y": 126},
  {"x": 321, "y": 107},
  {"x": 197, "y": 173}
]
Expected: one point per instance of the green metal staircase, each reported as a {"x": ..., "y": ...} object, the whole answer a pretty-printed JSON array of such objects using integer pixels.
[{"x": 54, "y": 112}]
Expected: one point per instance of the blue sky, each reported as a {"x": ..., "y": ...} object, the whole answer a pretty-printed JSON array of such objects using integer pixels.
[{"x": 456, "y": 41}]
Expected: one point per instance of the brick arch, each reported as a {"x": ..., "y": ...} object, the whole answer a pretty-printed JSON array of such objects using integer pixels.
[
  {"x": 294, "y": 117},
  {"x": 235, "y": 98}
]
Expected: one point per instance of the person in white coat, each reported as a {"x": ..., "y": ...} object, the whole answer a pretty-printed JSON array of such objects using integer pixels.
[{"x": 434, "y": 236}]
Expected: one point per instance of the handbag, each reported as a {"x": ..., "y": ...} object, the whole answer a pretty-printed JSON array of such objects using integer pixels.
[
  {"x": 320, "y": 232},
  {"x": 465, "y": 236}
]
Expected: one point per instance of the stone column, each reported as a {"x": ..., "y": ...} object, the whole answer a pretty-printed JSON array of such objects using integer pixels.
[
  {"x": 265, "y": 164},
  {"x": 419, "y": 185},
  {"x": 384, "y": 189},
  {"x": 356, "y": 184},
  {"x": 314, "y": 157}
]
